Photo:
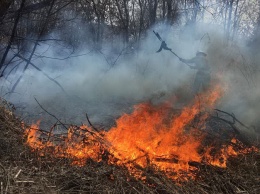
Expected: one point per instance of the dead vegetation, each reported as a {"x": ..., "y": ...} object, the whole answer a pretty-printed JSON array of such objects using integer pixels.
[{"x": 23, "y": 171}]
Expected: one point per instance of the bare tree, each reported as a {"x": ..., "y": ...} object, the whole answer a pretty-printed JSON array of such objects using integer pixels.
[
  {"x": 11, "y": 39},
  {"x": 153, "y": 5}
]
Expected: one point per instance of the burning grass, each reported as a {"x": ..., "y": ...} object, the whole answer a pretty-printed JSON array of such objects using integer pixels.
[{"x": 189, "y": 154}]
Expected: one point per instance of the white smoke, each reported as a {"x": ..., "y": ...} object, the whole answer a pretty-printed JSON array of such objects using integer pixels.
[{"x": 105, "y": 84}]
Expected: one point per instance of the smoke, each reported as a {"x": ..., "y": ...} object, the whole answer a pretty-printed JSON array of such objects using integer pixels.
[
  {"x": 238, "y": 70},
  {"x": 105, "y": 83}
]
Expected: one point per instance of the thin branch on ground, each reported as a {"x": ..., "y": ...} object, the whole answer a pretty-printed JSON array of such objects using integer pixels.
[
  {"x": 91, "y": 123},
  {"x": 65, "y": 58},
  {"x": 233, "y": 117},
  {"x": 51, "y": 114}
]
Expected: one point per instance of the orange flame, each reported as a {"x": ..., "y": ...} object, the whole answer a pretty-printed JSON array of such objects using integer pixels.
[
  {"x": 151, "y": 136},
  {"x": 148, "y": 139},
  {"x": 33, "y": 137},
  {"x": 77, "y": 145}
]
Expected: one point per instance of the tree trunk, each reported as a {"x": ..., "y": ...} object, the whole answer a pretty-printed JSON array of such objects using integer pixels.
[
  {"x": 203, "y": 10},
  {"x": 35, "y": 45},
  {"x": 152, "y": 11},
  {"x": 169, "y": 10},
  {"x": 163, "y": 9},
  {"x": 236, "y": 22},
  {"x": 230, "y": 7},
  {"x": 124, "y": 18},
  {"x": 195, "y": 12},
  {"x": 141, "y": 19},
  {"x": 126, "y": 21},
  {"x": 12, "y": 35},
  {"x": 4, "y": 6}
]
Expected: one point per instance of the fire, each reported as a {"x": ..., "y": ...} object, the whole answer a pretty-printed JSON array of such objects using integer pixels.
[
  {"x": 33, "y": 137},
  {"x": 150, "y": 137},
  {"x": 78, "y": 145}
]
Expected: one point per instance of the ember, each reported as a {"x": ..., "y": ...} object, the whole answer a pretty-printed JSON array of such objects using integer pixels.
[{"x": 152, "y": 137}]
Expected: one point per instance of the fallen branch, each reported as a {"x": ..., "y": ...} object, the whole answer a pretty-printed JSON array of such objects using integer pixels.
[
  {"x": 17, "y": 174},
  {"x": 228, "y": 122},
  {"x": 233, "y": 117},
  {"x": 24, "y": 181},
  {"x": 50, "y": 114},
  {"x": 65, "y": 58},
  {"x": 232, "y": 124},
  {"x": 91, "y": 123}
]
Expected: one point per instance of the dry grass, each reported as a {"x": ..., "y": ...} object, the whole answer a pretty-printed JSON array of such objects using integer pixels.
[{"x": 22, "y": 171}]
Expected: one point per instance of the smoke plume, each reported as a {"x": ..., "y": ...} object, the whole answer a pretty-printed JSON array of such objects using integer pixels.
[{"x": 107, "y": 82}]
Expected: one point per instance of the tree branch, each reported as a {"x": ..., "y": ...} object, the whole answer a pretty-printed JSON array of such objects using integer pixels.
[
  {"x": 37, "y": 68},
  {"x": 51, "y": 114}
]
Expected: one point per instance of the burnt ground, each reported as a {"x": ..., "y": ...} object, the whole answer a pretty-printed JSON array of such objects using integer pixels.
[{"x": 23, "y": 171}]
